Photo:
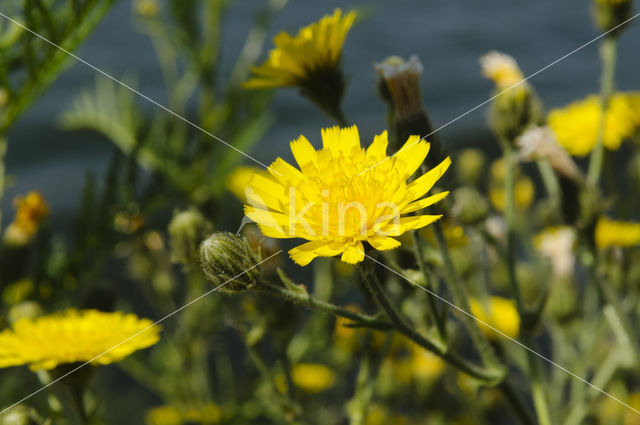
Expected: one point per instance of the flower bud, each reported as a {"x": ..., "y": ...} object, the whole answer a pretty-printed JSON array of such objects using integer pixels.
[
  {"x": 469, "y": 206},
  {"x": 471, "y": 166},
  {"x": 187, "y": 230},
  {"x": 227, "y": 260},
  {"x": 147, "y": 8},
  {"x": 609, "y": 14},
  {"x": 16, "y": 415}
]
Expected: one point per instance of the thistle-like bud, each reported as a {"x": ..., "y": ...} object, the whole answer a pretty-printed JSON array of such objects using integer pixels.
[
  {"x": 469, "y": 206},
  {"x": 471, "y": 164},
  {"x": 227, "y": 260},
  {"x": 609, "y": 14},
  {"x": 187, "y": 230},
  {"x": 400, "y": 87},
  {"x": 515, "y": 106}
]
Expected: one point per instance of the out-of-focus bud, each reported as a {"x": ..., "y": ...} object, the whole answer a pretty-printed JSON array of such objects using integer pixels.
[
  {"x": 400, "y": 87},
  {"x": 609, "y": 14},
  {"x": 25, "y": 309},
  {"x": 147, "y": 8},
  {"x": 265, "y": 246},
  {"x": 227, "y": 259},
  {"x": 563, "y": 299},
  {"x": 187, "y": 230},
  {"x": 515, "y": 106},
  {"x": 471, "y": 165},
  {"x": 17, "y": 415},
  {"x": 469, "y": 206},
  {"x": 539, "y": 143}
]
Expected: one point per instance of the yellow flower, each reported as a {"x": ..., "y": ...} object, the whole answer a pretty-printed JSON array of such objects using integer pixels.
[
  {"x": 524, "y": 191},
  {"x": 343, "y": 195},
  {"x": 501, "y": 68},
  {"x": 31, "y": 210},
  {"x": 577, "y": 125},
  {"x": 75, "y": 336},
  {"x": 163, "y": 415},
  {"x": 616, "y": 233},
  {"x": 424, "y": 364},
  {"x": 239, "y": 179},
  {"x": 316, "y": 49},
  {"x": 312, "y": 377},
  {"x": 499, "y": 313},
  {"x": 206, "y": 414}
]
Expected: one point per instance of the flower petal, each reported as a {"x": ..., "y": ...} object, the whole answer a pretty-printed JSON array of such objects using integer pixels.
[
  {"x": 383, "y": 243},
  {"x": 303, "y": 254},
  {"x": 353, "y": 253},
  {"x": 425, "y": 182},
  {"x": 424, "y": 202},
  {"x": 411, "y": 154},
  {"x": 303, "y": 151},
  {"x": 409, "y": 223}
]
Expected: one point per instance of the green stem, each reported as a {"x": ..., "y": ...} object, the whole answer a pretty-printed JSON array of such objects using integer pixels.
[
  {"x": 608, "y": 50},
  {"x": 550, "y": 181},
  {"x": 306, "y": 299},
  {"x": 537, "y": 387},
  {"x": 461, "y": 299},
  {"x": 433, "y": 305},
  {"x": 491, "y": 375},
  {"x": 519, "y": 407},
  {"x": 3, "y": 152}
]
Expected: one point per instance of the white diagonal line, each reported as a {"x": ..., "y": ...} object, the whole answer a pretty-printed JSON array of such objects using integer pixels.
[
  {"x": 507, "y": 89},
  {"x": 548, "y": 360},
  {"x": 136, "y": 334},
  {"x": 159, "y": 105}
]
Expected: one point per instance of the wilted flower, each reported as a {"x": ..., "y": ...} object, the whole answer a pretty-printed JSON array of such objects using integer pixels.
[
  {"x": 309, "y": 61},
  {"x": 556, "y": 244},
  {"x": 344, "y": 195},
  {"x": 539, "y": 143},
  {"x": 616, "y": 233},
  {"x": 312, "y": 377},
  {"x": 31, "y": 211},
  {"x": 75, "y": 336},
  {"x": 576, "y": 126},
  {"x": 499, "y": 313}
]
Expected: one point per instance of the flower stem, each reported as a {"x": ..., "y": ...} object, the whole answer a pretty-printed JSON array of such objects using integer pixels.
[
  {"x": 491, "y": 375},
  {"x": 461, "y": 299},
  {"x": 537, "y": 388},
  {"x": 608, "y": 50},
  {"x": 437, "y": 318}
]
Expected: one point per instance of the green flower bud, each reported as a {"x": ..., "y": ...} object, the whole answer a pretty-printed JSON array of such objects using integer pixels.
[
  {"x": 471, "y": 166},
  {"x": 186, "y": 231},
  {"x": 513, "y": 111},
  {"x": 17, "y": 415},
  {"x": 469, "y": 206},
  {"x": 227, "y": 259},
  {"x": 563, "y": 299},
  {"x": 608, "y": 14}
]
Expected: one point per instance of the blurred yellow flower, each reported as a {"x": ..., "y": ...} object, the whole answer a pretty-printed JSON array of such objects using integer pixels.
[
  {"x": 501, "y": 68},
  {"x": 312, "y": 377},
  {"x": 163, "y": 415},
  {"x": 344, "y": 195},
  {"x": 523, "y": 192},
  {"x": 616, "y": 233},
  {"x": 238, "y": 180},
  {"x": 424, "y": 364},
  {"x": 75, "y": 336},
  {"x": 31, "y": 210},
  {"x": 453, "y": 234},
  {"x": 206, "y": 414},
  {"x": 499, "y": 313},
  {"x": 577, "y": 125},
  {"x": 316, "y": 49}
]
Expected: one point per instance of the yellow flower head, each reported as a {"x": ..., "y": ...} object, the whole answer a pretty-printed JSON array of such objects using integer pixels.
[
  {"x": 31, "y": 210},
  {"x": 239, "y": 179},
  {"x": 424, "y": 364},
  {"x": 313, "y": 377},
  {"x": 616, "y": 233},
  {"x": 501, "y": 68},
  {"x": 344, "y": 195},
  {"x": 499, "y": 313},
  {"x": 316, "y": 48},
  {"x": 577, "y": 125},
  {"x": 75, "y": 336}
]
